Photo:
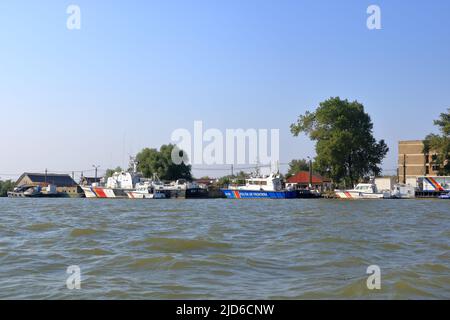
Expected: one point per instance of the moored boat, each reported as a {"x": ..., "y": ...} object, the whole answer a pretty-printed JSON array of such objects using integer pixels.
[
  {"x": 27, "y": 191},
  {"x": 269, "y": 187},
  {"x": 182, "y": 188},
  {"x": 403, "y": 191},
  {"x": 116, "y": 186},
  {"x": 445, "y": 196},
  {"x": 147, "y": 190},
  {"x": 363, "y": 191},
  {"x": 119, "y": 185}
]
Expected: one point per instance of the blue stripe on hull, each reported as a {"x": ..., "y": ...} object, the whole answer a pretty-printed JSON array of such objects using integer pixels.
[{"x": 251, "y": 194}]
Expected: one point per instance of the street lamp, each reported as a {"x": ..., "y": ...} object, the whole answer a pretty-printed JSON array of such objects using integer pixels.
[{"x": 96, "y": 168}]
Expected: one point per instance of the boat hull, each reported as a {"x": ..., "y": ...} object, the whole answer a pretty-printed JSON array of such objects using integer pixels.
[
  {"x": 141, "y": 195},
  {"x": 37, "y": 195},
  {"x": 307, "y": 194},
  {"x": 252, "y": 194},
  {"x": 196, "y": 193},
  {"x": 359, "y": 195},
  {"x": 104, "y": 193}
]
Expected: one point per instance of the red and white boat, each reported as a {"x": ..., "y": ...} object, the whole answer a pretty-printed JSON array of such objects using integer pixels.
[
  {"x": 126, "y": 185},
  {"x": 116, "y": 186},
  {"x": 363, "y": 191}
]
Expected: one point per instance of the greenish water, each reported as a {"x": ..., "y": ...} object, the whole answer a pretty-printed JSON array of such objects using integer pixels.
[{"x": 239, "y": 249}]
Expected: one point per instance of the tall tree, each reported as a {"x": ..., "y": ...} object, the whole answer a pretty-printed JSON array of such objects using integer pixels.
[
  {"x": 295, "y": 166},
  {"x": 440, "y": 144},
  {"x": 345, "y": 147},
  {"x": 151, "y": 161}
]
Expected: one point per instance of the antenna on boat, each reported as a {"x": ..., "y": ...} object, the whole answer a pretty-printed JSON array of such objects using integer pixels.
[
  {"x": 257, "y": 170},
  {"x": 133, "y": 164},
  {"x": 277, "y": 163}
]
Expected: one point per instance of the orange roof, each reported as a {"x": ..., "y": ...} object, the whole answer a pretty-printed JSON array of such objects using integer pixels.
[{"x": 303, "y": 177}]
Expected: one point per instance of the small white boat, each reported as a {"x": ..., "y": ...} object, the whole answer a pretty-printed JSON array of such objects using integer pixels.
[
  {"x": 403, "y": 191},
  {"x": 445, "y": 196},
  {"x": 146, "y": 190},
  {"x": 363, "y": 191}
]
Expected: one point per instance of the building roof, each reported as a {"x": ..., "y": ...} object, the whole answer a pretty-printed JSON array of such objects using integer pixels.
[
  {"x": 303, "y": 178},
  {"x": 60, "y": 180},
  {"x": 205, "y": 181},
  {"x": 410, "y": 142}
]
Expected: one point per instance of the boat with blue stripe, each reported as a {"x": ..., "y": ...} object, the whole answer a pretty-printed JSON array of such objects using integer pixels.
[
  {"x": 251, "y": 194},
  {"x": 268, "y": 187}
]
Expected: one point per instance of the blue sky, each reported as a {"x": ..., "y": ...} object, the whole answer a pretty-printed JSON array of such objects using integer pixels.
[{"x": 137, "y": 70}]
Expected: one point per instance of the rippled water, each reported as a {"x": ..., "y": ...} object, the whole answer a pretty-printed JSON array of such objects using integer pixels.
[{"x": 204, "y": 249}]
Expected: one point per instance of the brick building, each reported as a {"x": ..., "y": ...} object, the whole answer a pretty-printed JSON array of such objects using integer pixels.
[{"x": 413, "y": 163}]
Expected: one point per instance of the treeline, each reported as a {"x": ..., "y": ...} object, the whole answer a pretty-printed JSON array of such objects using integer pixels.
[{"x": 6, "y": 186}]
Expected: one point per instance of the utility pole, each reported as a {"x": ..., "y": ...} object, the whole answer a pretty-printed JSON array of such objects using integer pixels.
[
  {"x": 310, "y": 172},
  {"x": 404, "y": 168},
  {"x": 232, "y": 170},
  {"x": 96, "y": 168}
]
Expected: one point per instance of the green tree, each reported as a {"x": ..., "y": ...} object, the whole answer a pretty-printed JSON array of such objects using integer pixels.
[
  {"x": 440, "y": 144},
  {"x": 151, "y": 161},
  {"x": 6, "y": 186},
  {"x": 345, "y": 147},
  {"x": 109, "y": 172},
  {"x": 225, "y": 181},
  {"x": 238, "y": 178},
  {"x": 295, "y": 166}
]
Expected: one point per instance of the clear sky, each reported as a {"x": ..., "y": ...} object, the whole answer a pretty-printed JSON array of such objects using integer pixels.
[{"x": 137, "y": 70}]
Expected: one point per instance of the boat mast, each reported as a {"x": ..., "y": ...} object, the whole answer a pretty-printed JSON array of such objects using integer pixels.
[{"x": 133, "y": 164}]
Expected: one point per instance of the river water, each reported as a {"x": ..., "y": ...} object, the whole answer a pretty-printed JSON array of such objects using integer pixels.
[{"x": 219, "y": 248}]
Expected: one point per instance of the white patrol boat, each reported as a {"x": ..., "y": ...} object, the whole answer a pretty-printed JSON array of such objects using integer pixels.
[
  {"x": 363, "y": 191},
  {"x": 125, "y": 184},
  {"x": 148, "y": 189}
]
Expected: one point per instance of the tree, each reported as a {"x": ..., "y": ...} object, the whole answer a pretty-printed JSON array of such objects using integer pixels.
[
  {"x": 225, "y": 181},
  {"x": 295, "y": 166},
  {"x": 151, "y": 161},
  {"x": 440, "y": 144},
  {"x": 110, "y": 172},
  {"x": 6, "y": 186},
  {"x": 238, "y": 178},
  {"x": 345, "y": 147}
]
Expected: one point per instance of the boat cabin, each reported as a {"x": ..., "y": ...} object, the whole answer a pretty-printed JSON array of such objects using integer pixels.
[
  {"x": 268, "y": 183},
  {"x": 123, "y": 180},
  {"x": 366, "y": 188}
]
